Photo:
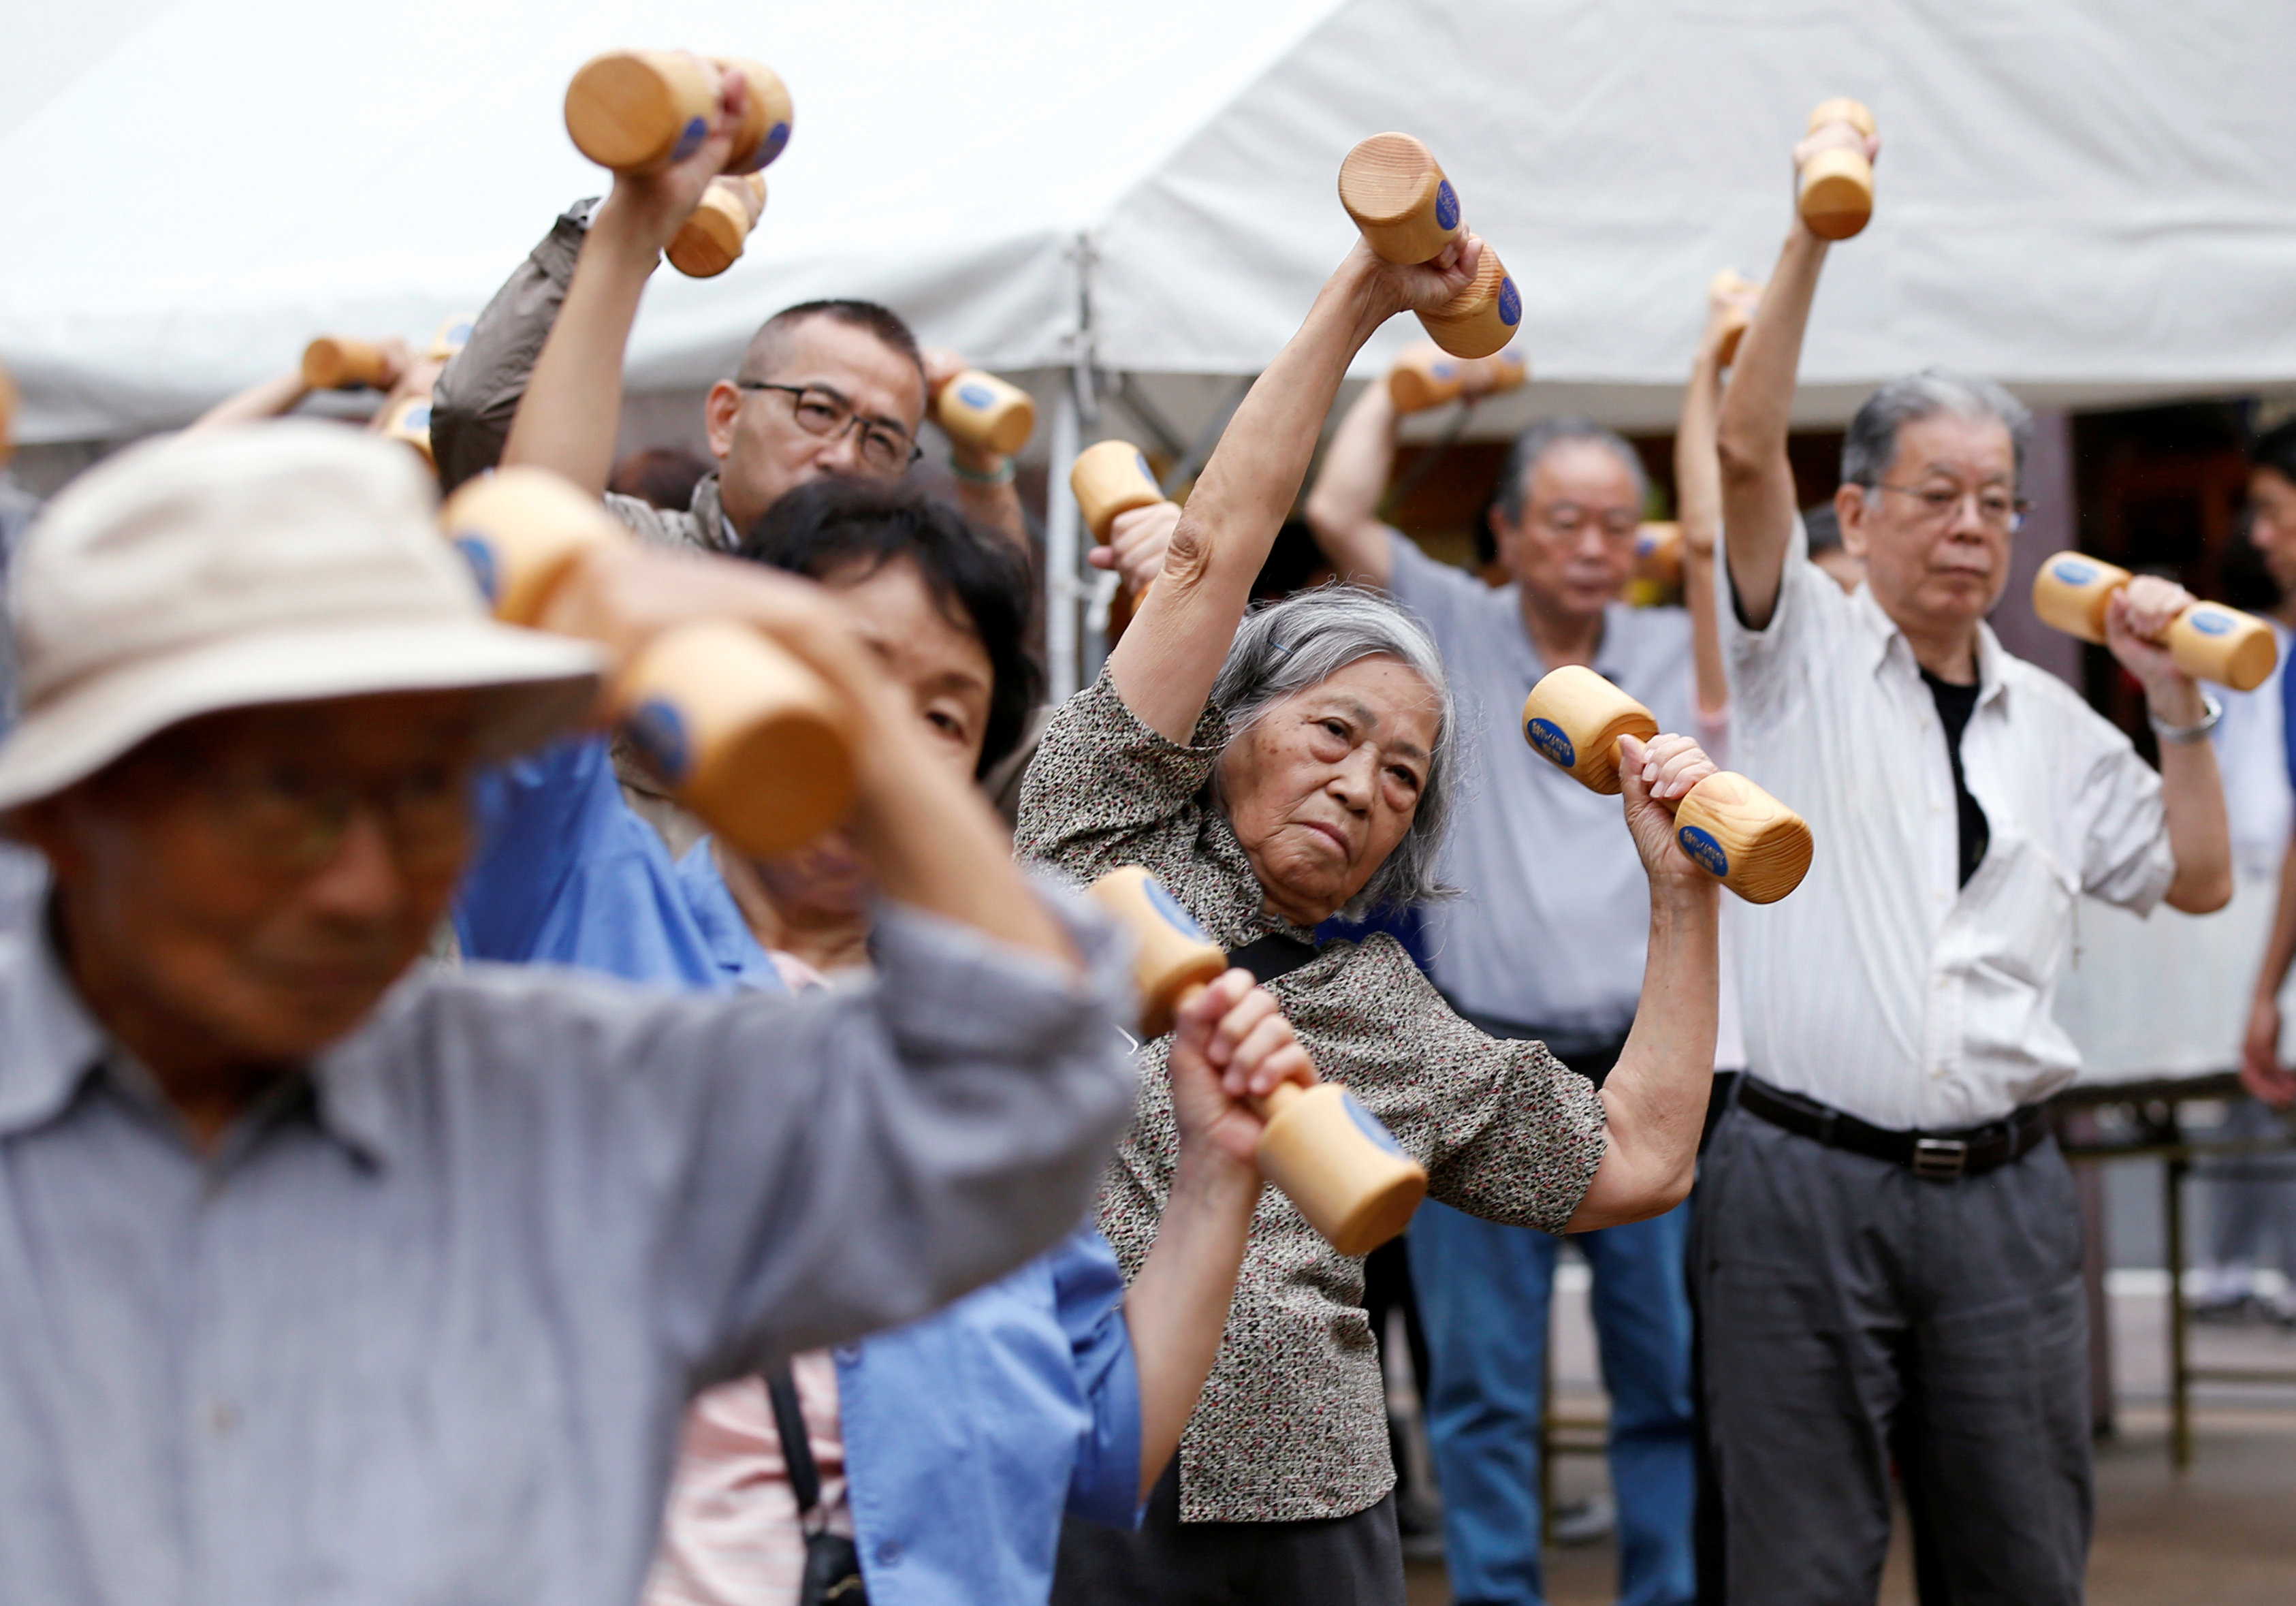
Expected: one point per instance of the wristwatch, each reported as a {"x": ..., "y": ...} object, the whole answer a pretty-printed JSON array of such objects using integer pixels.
[{"x": 2182, "y": 736}]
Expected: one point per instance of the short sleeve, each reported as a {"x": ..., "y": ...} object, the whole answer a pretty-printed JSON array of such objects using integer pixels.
[
  {"x": 1439, "y": 594},
  {"x": 1107, "y": 790},
  {"x": 1089, "y": 1295},
  {"x": 2126, "y": 859}
]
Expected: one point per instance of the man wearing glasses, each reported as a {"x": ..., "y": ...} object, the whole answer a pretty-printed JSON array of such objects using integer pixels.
[
  {"x": 1889, "y": 1246},
  {"x": 1547, "y": 942},
  {"x": 830, "y": 387}
]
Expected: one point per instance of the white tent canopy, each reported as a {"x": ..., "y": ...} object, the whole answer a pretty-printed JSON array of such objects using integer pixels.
[{"x": 2094, "y": 202}]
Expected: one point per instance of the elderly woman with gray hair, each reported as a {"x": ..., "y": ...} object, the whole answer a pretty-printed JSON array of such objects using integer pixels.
[{"x": 1274, "y": 771}]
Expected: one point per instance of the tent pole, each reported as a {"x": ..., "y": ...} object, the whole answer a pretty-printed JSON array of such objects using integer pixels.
[{"x": 1075, "y": 408}]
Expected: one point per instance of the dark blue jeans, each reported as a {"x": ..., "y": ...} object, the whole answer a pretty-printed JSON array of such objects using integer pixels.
[{"x": 1484, "y": 1295}]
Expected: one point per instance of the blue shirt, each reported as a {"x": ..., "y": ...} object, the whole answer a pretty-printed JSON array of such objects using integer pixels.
[{"x": 968, "y": 1434}]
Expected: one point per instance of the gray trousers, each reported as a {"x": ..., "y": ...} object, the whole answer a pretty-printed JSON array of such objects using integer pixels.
[{"x": 1853, "y": 1315}]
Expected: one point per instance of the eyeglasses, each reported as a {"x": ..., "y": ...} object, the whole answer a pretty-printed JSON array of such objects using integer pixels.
[
  {"x": 285, "y": 821},
  {"x": 822, "y": 411},
  {"x": 1937, "y": 505}
]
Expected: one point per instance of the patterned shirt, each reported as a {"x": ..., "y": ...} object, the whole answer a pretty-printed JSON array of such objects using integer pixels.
[{"x": 1292, "y": 1424}]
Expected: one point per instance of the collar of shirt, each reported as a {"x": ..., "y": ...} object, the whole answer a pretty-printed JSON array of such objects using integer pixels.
[
  {"x": 52, "y": 1045},
  {"x": 1888, "y": 645}
]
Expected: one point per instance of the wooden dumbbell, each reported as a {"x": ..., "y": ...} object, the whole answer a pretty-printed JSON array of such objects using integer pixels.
[
  {"x": 712, "y": 238},
  {"x": 2208, "y": 641},
  {"x": 1743, "y": 291},
  {"x": 986, "y": 413},
  {"x": 1395, "y": 190},
  {"x": 408, "y": 421},
  {"x": 743, "y": 733},
  {"x": 1658, "y": 552},
  {"x": 452, "y": 335},
  {"x": 1426, "y": 377},
  {"x": 1728, "y": 826},
  {"x": 1330, "y": 1156},
  {"x": 1836, "y": 196},
  {"x": 641, "y": 111},
  {"x": 1108, "y": 479},
  {"x": 332, "y": 363}
]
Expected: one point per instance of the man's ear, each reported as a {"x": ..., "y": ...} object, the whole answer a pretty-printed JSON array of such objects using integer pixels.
[
  {"x": 717, "y": 413},
  {"x": 1849, "y": 509}
]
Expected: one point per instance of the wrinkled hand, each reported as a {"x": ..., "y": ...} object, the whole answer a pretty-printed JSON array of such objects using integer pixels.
[
  {"x": 399, "y": 360},
  {"x": 1420, "y": 286},
  {"x": 2139, "y": 611},
  {"x": 1653, "y": 776},
  {"x": 653, "y": 207},
  {"x": 941, "y": 366},
  {"x": 1231, "y": 1041},
  {"x": 1729, "y": 297},
  {"x": 1137, "y": 541},
  {"x": 2260, "y": 1070}
]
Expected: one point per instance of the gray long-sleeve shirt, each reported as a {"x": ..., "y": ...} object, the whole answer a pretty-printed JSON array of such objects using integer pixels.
[{"x": 421, "y": 1329}]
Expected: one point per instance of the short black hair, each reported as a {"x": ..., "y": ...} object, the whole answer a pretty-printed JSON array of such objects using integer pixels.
[
  {"x": 980, "y": 581},
  {"x": 2275, "y": 450},
  {"x": 765, "y": 346}
]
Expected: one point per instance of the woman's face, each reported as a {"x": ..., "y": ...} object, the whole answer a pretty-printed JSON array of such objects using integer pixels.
[
  {"x": 946, "y": 672},
  {"x": 1323, "y": 787}
]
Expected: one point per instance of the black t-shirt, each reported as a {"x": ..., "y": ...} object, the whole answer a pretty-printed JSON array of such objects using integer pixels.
[{"x": 1954, "y": 704}]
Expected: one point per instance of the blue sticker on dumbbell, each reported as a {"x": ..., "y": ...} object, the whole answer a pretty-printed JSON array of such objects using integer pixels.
[
  {"x": 416, "y": 418},
  {"x": 1510, "y": 303},
  {"x": 975, "y": 395},
  {"x": 1704, "y": 851},
  {"x": 481, "y": 558},
  {"x": 1549, "y": 738},
  {"x": 660, "y": 732},
  {"x": 2209, "y": 622},
  {"x": 689, "y": 142},
  {"x": 776, "y": 139},
  {"x": 1168, "y": 906},
  {"x": 1147, "y": 472},
  {"x": 1447, "y": 205},
  {"x": 1370, "y": 1125},
  {"x": 2073, "y": 572}
]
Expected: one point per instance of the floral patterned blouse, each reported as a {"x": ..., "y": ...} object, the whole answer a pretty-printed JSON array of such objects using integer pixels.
[{"x": 1292, "y": 1424}]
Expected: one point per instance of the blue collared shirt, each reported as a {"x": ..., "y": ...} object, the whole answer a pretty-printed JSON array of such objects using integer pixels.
[{"x": 968, "y": 1434}]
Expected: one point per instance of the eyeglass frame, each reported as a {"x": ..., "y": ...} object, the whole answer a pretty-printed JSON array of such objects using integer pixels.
[
  {"x": 2020, "y": 509},
  {"x": 796, "y": 394}
]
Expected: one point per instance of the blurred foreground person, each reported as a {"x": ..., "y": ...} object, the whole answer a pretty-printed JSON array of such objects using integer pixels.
[
  {"x": 1888, "y": 1243},
  {"x": 325, "y": 1275},
  {"x": 1275, "y": 769}
]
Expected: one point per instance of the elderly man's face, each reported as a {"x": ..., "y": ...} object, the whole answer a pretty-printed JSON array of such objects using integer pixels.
[
  {"x": 1935, "y": 535},
  {"x": 1322, "y": 789},
  {"x": 762, "y": 436},
  {"x": 241, "y": 889},
  {"x": 1572, "y": 550}
]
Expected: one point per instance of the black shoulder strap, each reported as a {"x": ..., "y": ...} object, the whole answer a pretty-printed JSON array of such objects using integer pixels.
[
  {"x": 797, "y": 1447},
  {"x": 1274, "y": 955}
]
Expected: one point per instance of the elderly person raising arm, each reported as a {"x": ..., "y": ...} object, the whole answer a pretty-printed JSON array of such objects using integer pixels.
[
  {"x": 326, "y": 1276},
  {"x": 1273, "y": 771}
]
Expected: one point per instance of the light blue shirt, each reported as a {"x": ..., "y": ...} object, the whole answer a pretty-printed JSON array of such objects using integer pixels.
[{"x": 968, "y": 1434}]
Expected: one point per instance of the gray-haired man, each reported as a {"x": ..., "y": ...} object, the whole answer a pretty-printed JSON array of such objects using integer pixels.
[{"x": 1889, "y": 1252}]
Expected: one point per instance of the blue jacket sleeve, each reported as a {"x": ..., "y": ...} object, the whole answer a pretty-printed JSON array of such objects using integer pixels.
[
  {"x": 1088, "y": 1290},
  {"x": 566, "y": 874}
]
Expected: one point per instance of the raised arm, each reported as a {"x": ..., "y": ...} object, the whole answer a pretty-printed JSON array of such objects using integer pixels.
[
  {"x": 1698, "y": 493},
  {"x": 2192, "y": 791},
  {"x": 1757, "y": 486},
  {"x": 571, "y": 411},
  {"x": 1165, "y": 666},
  {"x": 1343, "y": 509}
]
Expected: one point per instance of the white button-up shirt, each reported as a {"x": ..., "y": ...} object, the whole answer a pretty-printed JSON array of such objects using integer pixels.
[{"x": 1879, "y": 986}]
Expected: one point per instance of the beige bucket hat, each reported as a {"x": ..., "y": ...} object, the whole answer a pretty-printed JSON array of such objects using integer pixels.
[{"x": 272, "y": 562}]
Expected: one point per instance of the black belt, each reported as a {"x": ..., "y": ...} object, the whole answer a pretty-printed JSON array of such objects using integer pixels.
[{"x": 1937, "y": 1156}]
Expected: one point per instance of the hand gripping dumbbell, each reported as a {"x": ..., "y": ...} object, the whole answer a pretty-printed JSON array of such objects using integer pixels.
[
  {"x": 1395, "y": 190},
  {"x": 641, "y": 111},
  {"x": 1426, "y": 377},
  {"x": 742, "y": 732},
  {"x": 2208, "y": 641},
  {"x": 1836, "y": 192},
  {"x": 1728, "y": 826},
  {"x": 986, "y": 413},
  {"x": 1743, "y": 291},
  {"x": 715, "y": 233},
  {"x": 1110, "y": 479},
  {"x": 1330, "y": 1157}
]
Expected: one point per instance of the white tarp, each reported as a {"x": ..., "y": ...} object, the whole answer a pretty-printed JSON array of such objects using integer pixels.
[{"x": 2093, "y": 200}]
